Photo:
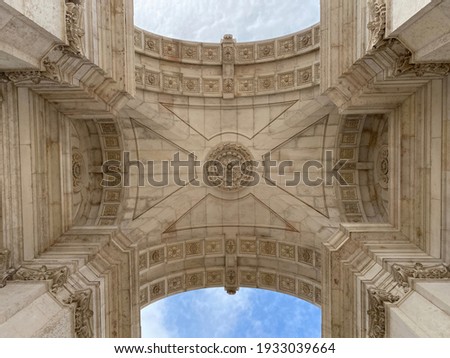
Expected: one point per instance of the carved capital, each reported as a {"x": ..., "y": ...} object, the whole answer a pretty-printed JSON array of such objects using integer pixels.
[
  {"x": 401, "y": 273},
  {"x": 57, "y": 275},
  {"x": 404, "y": 66},
  {"x": 51, "y": 73},
  {"x": 376, "y": 311},
  {"x": 83, "y": 313}
]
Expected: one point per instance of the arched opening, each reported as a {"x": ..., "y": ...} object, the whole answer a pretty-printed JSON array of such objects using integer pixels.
[
  {"x": 208, "y": 21},
  {"x": 212, "y": 313}
]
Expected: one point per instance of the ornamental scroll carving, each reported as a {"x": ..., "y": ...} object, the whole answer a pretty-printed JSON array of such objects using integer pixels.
[
  {"x": 74, "y": 29},
  {"x": 51, "y": 73},
  {"x": 401, "y": 273},
  {"x": 377, "y": 23},
  {"x": 83, "y": 313},
  {"x": 57, "y": 275},
  {"x": 376, "y": 311},
  {"x": 404, "y": 66}
]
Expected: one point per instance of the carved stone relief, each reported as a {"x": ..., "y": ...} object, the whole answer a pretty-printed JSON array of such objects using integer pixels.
[
  {"x": 74, "y": 28},
  {"x": 376, "y": 311},
  {"x": 401, "y": 273},
  {"x": 228, "y": 166},
  {"x": 377, "y": 23},
  {"x": 83, "y": 313},
  {"x": 58, "y": 275}
]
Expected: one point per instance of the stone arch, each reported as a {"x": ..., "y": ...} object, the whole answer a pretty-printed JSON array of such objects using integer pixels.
[
  {"x": 254, "y": 262},
  {"x": 363, "y": 141}
]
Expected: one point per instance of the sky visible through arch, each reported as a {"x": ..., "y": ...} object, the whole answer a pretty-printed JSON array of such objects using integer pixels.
[
  {"x": 209, "y": 20},
  {"x": 211, "y": 312}
]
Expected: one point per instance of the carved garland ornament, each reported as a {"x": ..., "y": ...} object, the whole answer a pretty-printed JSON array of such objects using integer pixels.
[
  {"x": 229, "y": 167},
  {"x": 83, "y": 314},
  {"x": 401, "y": 273},
  {"x": 376, "y": 311}
]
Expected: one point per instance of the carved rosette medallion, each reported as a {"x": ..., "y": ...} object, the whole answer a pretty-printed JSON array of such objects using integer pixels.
[
  {"x": 229, "y": 167},
  {"x": 382, "y": 167}
]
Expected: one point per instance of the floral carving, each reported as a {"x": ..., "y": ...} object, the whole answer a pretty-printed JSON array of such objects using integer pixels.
[
  {"x": 401, "y": 273},
  {"x": 74, "y": 29},
  {"x": 376, "y": 311},
  {"x": 377, "y": 24},
  {"x": 228, "y": 54},
  {"x": 229, "y": 166},
  {"x": 57, "y": 275},
  {"x": 83, "y": 313},
  {"x": 228, "y": 85},
  {"x": 230, "y": 247},
  {"x": 51, "y": 73},
  {"x": 404, "y": 66}
]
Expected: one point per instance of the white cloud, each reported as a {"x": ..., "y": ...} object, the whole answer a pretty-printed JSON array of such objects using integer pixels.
[
  {"x": 212, "y": 313},
  {"x": 209, "y": 20}
]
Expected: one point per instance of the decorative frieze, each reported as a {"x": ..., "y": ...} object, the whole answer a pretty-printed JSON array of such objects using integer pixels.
[
  {"x": 376, "y": 311},
  {"x": 83, "y": 313},
  {"x": 402, "y": 273}
]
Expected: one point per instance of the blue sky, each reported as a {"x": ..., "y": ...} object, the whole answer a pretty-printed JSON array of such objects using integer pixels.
[
  {"x": 212, "y": 313},
  {"x": 209, "y": 20},
  {"x": 251, "y": 312}
]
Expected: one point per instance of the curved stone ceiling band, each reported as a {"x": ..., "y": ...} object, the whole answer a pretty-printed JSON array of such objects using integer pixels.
[{"x": 229, "y": 166}]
